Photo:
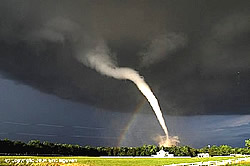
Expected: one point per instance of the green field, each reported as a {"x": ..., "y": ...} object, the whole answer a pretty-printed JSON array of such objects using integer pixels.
[{"x": 97, "y": 161}]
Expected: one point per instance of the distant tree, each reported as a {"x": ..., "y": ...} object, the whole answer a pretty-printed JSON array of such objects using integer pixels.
[
  {"x": 48, "y": 148},
  {"x": 138, "y": 151},
  {"x": 102, "y": 151},
  {"x": 109, "y": 150},
  {"x": 224, "y": 150},
  {"x": 185, "y": 151},
  {"x": 123, "y": 151},
  {"x": 176, "y": 150},
  {"x": 153, "y": 149},
  {"x": 34, "y": 146},
  {"x": 76, "y": 150},
  {"x": 247, "y": 143},
  {"x": 6, "y": 146},
  {"x": 19, "y": 147},
  {"x": 131, "y": 151},
  {"x": 116, "y": 151},
  {"x": 214, "y": 151},
  {"x": 143, "y": 150},
  {"x": 193, "y": 152},
  {"x": 148, "y": 150},
  {"x": 204, "y": 150}
]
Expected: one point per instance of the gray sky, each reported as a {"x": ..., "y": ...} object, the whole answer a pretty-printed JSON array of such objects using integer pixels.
[{"x": 193, "y": 54}]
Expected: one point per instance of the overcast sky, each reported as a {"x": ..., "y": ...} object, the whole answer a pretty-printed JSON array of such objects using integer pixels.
[{"x": 193, "y": 54}]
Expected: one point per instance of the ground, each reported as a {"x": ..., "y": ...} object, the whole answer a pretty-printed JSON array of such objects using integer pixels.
[{"x": 97, "y": 161}]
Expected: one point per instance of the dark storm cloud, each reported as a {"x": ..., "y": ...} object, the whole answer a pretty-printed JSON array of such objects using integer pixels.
[{"x": 203, "y": 68}]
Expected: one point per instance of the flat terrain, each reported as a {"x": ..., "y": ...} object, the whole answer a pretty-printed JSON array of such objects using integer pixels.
[{"x": 98, "y": 161}]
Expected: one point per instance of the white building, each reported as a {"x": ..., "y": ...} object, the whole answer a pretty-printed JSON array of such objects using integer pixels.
[
  {"x": 162, "y": 153},
  {"x": 203, "y": 155}
]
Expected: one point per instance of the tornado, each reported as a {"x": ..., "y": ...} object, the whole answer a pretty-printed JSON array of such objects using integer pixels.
[
  {"x": 99, "y": 59},
  {"x": 95, "y": 54}
]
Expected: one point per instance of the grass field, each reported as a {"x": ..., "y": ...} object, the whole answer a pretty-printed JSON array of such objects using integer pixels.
[{"x": 97, "y": 161}]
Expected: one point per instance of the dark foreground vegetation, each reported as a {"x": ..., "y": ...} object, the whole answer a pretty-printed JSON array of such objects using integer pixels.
[{"x": 35, "y": 147}]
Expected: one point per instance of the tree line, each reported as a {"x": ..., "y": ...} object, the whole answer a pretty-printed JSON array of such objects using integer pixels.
[{"x": 35, "y": 147}]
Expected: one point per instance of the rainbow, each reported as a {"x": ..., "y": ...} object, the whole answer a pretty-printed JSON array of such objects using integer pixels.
[{"x": 127, "y": 127}]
